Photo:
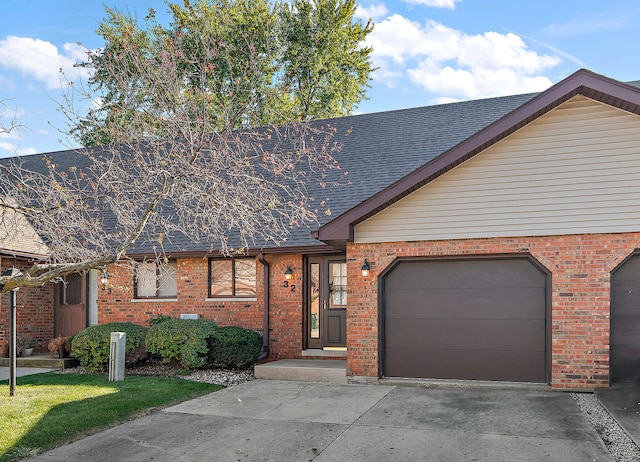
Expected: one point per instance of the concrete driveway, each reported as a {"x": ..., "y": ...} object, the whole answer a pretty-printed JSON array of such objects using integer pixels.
[{"x": 295, "y": 421}]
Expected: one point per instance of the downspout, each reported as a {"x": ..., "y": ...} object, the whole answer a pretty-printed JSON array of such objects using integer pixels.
[{"x": 265, "y": 332}]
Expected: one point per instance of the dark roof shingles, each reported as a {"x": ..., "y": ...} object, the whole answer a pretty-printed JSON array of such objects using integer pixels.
[{"x": 378, "y": 149}]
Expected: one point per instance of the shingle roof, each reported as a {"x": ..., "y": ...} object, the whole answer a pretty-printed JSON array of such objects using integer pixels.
[
  {"x": 378, "y": 149},
  {"x": 381, "y": 148}
]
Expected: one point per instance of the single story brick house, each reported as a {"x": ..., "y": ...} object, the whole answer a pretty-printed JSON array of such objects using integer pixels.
[{"x": 482, "y": 240}]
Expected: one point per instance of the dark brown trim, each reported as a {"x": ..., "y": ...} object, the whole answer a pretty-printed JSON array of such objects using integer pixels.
[
  {"x": 582, "y": 82},
  {"x": 525, "y": 255},
  {"x": 266, "y": 302}
]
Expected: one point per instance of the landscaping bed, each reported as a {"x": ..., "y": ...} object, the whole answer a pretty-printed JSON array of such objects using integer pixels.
[{"x": 155, "y": 367}]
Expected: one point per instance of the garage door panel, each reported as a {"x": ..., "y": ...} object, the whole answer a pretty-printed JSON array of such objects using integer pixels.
[
  {"x": 466, "y": 274},
  {"x": 481, "y": 319},
  {"x": 629, "y": 369},
  {"x": 466, "y": 334},
  {"x": 628, "y": 301},
  {"x": 625, "y": 322},
  {"x": 467, "y": 365},
  {"x": 486, "y": 303},
  {"x": 628, "y": 329}
]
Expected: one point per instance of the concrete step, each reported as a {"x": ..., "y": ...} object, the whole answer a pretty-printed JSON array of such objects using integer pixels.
[
  {"x": 41, "y": 360},
  {"x": 304, "y": 370}
]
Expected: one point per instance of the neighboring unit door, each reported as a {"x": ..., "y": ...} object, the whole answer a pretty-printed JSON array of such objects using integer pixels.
[
  {"x": 624, "y": 359},
  {"x": 326, "y": 304},
  {"x": 468, "y": 319},
  {"x": 70, "y": 305}
]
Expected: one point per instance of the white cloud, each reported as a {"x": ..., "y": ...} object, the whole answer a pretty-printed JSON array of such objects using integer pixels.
[
  {"x": 451, "y": 4},
  {"x": 40, "y": 59},
  {"x": 445, "y": 100},
  {"x": 11, "y": 135},
  {"x": 375, "y": 11},
  {"x": 13, "y": 150},
  {"x": 457, "y": 65}
]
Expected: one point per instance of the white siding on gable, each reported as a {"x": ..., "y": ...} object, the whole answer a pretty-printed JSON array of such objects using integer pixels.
[{"x": 574, "y": 170}]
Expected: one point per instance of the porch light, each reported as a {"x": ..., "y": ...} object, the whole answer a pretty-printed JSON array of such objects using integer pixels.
[
  {"x": 288, "y": 274},
  {"x": 104, "y": 280},
  {"x": 365, "y": 268}
]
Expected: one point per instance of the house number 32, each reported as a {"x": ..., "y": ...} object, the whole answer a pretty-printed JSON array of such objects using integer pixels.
[{"x": 290, "y": 286}]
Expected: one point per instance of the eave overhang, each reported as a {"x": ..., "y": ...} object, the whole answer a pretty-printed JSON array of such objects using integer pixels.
[
  {"x": 300, "y": 249},
  {"x": 9, "y": 253}
]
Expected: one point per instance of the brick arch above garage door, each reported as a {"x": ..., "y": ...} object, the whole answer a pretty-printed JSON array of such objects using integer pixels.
[{"x": 465, "y": 318}]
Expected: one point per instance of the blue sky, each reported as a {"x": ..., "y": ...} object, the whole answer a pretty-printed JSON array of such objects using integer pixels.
[{"x": 427, "y": 51}]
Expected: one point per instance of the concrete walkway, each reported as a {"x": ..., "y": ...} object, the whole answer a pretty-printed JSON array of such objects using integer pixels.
[
  {"x": 20, "y": 371},
  {"x": 301, "y": 421}
]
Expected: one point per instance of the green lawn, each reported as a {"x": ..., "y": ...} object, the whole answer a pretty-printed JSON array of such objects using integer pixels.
[{"x": 51, "y": 409}]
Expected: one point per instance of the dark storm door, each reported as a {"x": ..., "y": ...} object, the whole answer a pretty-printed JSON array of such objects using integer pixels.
[
  {"x": 71, "y": 305},
  {"x": 326, "y": 313}
]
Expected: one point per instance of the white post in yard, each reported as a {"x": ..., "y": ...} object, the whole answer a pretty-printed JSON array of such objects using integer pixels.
[{"x": 117, "y": 356}]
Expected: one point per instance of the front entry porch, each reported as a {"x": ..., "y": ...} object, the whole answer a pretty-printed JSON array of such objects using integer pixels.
[
  {"x": 304, "y": 370},
  {"x": 44, "y": 360}
]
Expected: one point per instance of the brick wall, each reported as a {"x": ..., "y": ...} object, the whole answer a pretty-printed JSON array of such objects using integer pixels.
[
  {"x": 285, "y": 314},
  {"x": 580, "y": 267},
  {"x": 34, "y": 312}
]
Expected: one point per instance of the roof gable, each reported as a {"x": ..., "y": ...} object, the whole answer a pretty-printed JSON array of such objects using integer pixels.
[
  {"x": 17, "y": 237},
  {"x": 582, "y": 82},
  {"x": 575, "y": 170}
]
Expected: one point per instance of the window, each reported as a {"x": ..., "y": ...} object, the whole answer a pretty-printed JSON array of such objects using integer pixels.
[
  {"x": 71, "y": 289},
  {"x": 156, "y": 280},
  {"x": 232, "y": 278},
  {"x": 337, "y": 284}
]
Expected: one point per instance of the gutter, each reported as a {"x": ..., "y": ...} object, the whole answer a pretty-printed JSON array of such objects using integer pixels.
[{"x": 265, "y": 332}]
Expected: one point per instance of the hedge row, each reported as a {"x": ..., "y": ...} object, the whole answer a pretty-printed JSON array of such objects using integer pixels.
[{"x": 191, "y": 343}]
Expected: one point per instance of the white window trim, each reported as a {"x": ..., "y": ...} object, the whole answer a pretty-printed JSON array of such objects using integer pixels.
[
  {"x": 153, "y": 300},
  {"x": 231, "y": 299}
]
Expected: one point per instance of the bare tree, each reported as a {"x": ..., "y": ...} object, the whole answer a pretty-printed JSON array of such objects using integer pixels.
[
  {"x": 8, "y": 119},
  {"x": 172, "y": 176}
]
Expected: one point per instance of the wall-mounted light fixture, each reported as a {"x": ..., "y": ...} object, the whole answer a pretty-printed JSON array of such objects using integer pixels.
[
  {"x": 288, "y": 274},
  {"x": 104, "y": 280},
  {"x": 365, "y": 268}
]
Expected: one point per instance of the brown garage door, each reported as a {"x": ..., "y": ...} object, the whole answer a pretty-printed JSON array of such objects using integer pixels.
[
  {"x": 474, "y": 319},
  {"x": 625, "y": 322}
]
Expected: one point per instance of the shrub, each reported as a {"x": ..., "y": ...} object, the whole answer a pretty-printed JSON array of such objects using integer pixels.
[
  {"x": 60, "y": 346},
  {"x": 181, "y": 340},
  {"x": 160, "y": 318},
  {"x": 234, "y": 347},
  {"x": 92, "y": 345}
]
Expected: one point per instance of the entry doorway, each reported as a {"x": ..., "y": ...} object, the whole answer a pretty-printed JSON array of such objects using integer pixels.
[
  {"x": 70, "y": 305},
  {"x": 326, "y": 302}
]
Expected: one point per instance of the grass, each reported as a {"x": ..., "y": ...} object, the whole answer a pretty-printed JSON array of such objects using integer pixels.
[{"x": 51, "y": 409}]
